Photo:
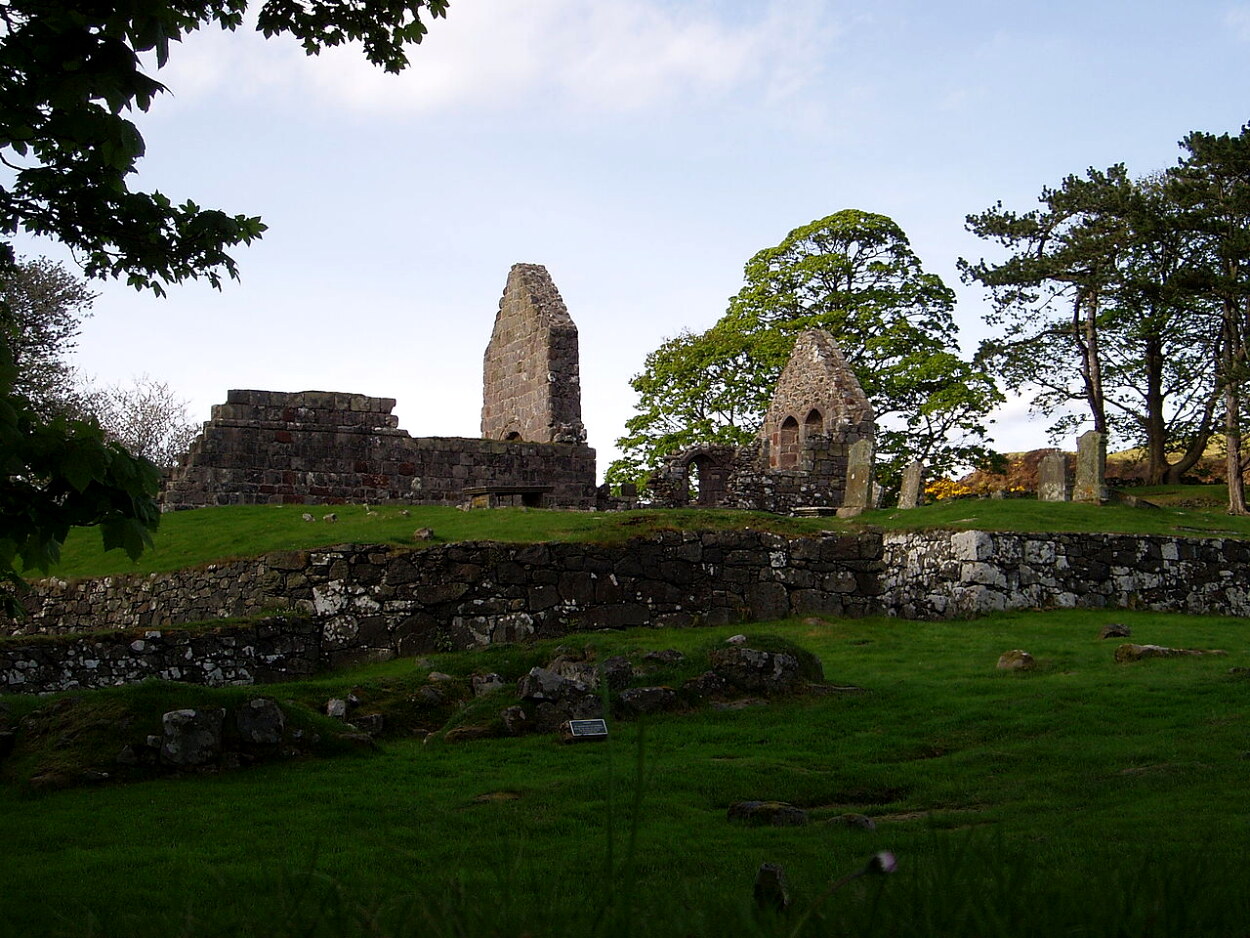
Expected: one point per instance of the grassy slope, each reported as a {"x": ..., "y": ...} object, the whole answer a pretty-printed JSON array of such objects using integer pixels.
[
  {"x": 207, "y": 535},
  {"x": 191, "y": 538},
  {"x": 1085, "y": 795}
]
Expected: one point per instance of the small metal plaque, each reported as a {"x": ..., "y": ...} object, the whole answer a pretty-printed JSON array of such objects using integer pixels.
[{"x": 588, "y": 728}]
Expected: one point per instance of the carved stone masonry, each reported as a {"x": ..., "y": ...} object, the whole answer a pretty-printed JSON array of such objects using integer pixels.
[
  {"x": 911, "y": 492},
  {"x": 531, "y": 386}
]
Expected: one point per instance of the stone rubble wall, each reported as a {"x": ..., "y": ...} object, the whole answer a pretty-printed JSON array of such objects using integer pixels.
[
  {"x": 747, "y": 482},
  {"x": 375, "y": 602},
  {"x": 946, "y": 575},
  {"x": 360, "y": 603},
  {"x": 819, "y": 481},
  {"x": 326, "y": 448},
  {"x": 260, "y": 652}
]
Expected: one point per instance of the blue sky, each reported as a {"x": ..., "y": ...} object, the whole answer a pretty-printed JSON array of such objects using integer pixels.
[{"x": 642, "y": 150}]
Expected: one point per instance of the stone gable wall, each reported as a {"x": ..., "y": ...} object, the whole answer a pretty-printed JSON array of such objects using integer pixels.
[
  {"x": 801, "y": 456},
  {"x": 325, "y": 448},
  {"x": 531, "y": 382},
  {"x": 817, "y": 377}
]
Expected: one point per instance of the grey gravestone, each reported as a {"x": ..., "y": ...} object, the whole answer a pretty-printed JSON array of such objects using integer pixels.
[
  {"x": 1052, "y": 478},
  {"x": 1091, "y": 468},
  {"x": 858, "y": 475},
  {"x": 913, "y": 477}
]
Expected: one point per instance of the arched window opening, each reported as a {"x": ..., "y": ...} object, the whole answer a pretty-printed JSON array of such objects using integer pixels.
[
  {"x": 788, "y": 444},
  {"x": 513, "y": 437},
  {"x": 814, "y": 425}
]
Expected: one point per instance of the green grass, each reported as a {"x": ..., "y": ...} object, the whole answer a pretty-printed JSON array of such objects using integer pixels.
[
  {"x": 1085, "y": 798},
  {"x": 209, "y": 535},
  {"x": 1185, "y": 511}
]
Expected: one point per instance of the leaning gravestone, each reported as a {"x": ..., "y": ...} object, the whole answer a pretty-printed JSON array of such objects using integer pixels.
[
  {"x": 913, "y": 476},
  {"x": 858, "y": 475},
  {"x": 1091, "y": 468},
  {"x": 1052, "y": 478}
]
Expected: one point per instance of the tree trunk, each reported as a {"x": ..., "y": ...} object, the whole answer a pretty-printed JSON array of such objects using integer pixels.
[
  {"x": 1232, "y": 414},
  {"x": 1156, "y": 425},
  {"x": 1232, "y": 438},
  {"x": 1198, "y": 447},
  {"x": 1085, "y": 332}
]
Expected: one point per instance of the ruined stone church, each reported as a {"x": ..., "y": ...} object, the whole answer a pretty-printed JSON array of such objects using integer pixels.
[
  {"x": 814, "y": 449},
  {"x": 327, "y": 448}
]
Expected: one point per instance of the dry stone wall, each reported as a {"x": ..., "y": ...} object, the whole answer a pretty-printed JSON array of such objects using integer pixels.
[
  {"x": 358, "y": 603},
  {"x": 944, "y": 575},
  {"x": 320, "y": 447},
  {"x": 374, "y": 602},
  {"x": 261, "y": 652}
]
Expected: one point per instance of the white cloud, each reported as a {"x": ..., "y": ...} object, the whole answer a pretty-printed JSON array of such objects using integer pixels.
[{"x": 610, "y": 55}]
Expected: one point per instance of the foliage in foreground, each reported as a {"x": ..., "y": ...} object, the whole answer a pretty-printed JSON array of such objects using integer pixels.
[
  {"x": 1083, "y": 798},
  {"x": 68, "y": 74}
]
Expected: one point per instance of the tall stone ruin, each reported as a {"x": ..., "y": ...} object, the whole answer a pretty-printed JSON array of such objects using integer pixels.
[
  {"x": 324, "y": 447},
  {"x": 531, "y": 383},
  {"x": 819, "y": 416}
]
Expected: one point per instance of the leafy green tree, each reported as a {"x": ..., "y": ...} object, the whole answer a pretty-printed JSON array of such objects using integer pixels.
[
  {"x": 675, "y": 412},
  {"x": 1090, "y": 311},
  {"x": 46, "y": 305},
  {"x": 1212, "y": 186},
  {"x": 58, "y": 473},
  {"x": 69, "y": 74},
  {"x": 854, "y": 274}
]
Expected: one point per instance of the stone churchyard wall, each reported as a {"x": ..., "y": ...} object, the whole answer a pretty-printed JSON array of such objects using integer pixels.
[
  {"x": 372, "y": 603},
  {"x": 376, "y": 602},
  {"x": 945, "y": 575},
  {"x": 320, "y": 447}
]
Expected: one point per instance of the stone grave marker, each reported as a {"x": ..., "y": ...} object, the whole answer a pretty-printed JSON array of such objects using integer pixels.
[
  {"x": 858, "y": 475},
  {"x": 913, "y": 480},
  {"x": 1052, "y": 478},
  {"x": 1091, "y": 468}
]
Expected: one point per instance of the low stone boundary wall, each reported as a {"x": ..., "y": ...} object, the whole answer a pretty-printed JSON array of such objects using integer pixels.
[
  {"x": 375, "y": 602},
  {"x": 360, "y": 603},
  {"x": 947, "y": 575},
  {"x": 251, "y": 653}
]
